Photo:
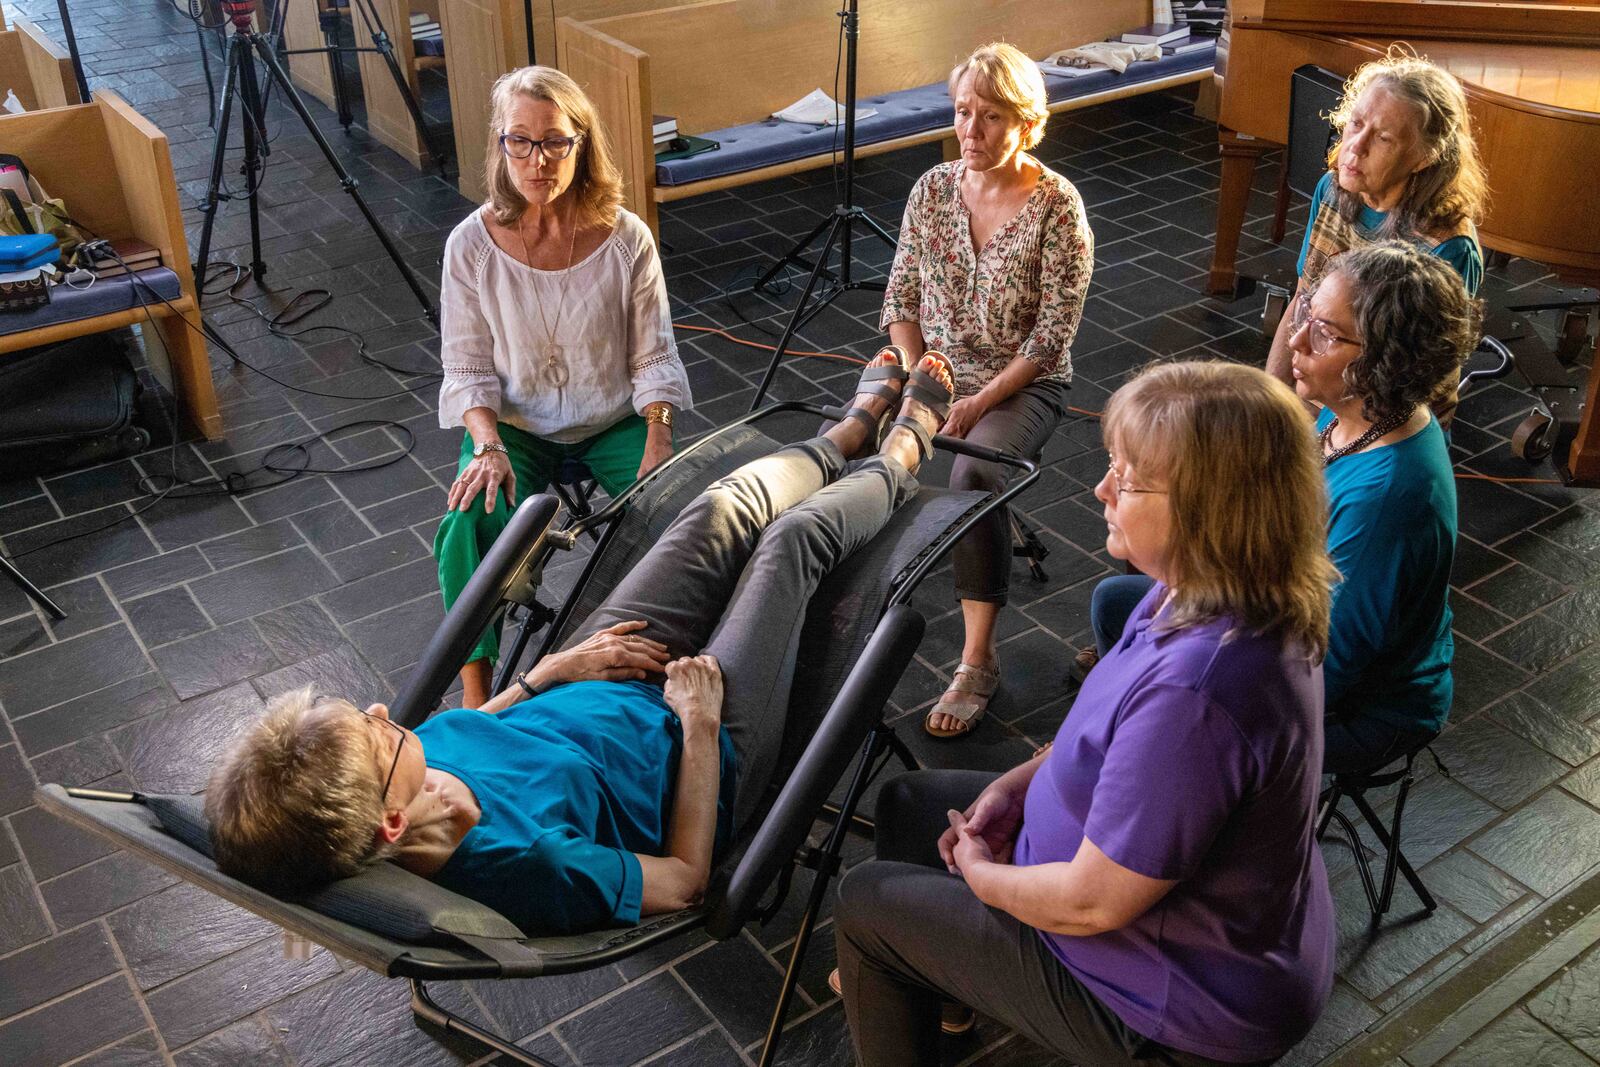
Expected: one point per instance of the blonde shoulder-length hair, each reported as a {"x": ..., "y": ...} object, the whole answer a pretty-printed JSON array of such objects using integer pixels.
[
  {"x": 1235, "y": 452},
  {"x": 1011, "y": 80},
  {"x": 597, "y": 185}
]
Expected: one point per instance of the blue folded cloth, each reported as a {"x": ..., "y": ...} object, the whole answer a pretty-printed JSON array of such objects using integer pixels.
[{"x": 27, "y": 251}]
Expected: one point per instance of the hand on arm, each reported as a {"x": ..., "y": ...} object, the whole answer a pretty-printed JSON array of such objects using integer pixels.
[
  {"x": 1090, "y": 895},
  {"x": 678, "y": 879},
  {"x": 488, "y": 472}
]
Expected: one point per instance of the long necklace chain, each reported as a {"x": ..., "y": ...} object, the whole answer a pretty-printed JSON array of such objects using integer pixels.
[
  {"x": 1385, "y": 425},
  {"x": 555, "y": 367}
]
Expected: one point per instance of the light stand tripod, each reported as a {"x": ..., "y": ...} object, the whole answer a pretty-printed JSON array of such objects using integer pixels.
[
  {"x": 239, "y": 80},
  {"x": 838, "y": 225}
]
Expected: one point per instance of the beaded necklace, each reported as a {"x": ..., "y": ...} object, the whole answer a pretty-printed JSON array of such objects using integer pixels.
[{"x": 1385, "y": 425}]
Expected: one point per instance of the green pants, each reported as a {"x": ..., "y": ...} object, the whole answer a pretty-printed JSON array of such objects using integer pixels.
[{"x": 464, "y": 537}]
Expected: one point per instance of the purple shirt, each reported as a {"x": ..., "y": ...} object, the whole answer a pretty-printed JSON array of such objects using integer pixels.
[{"x": 1194, "y": 758}]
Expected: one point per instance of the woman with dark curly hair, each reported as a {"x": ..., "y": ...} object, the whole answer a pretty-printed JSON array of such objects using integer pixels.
[{"x": 1368, "y": 345}]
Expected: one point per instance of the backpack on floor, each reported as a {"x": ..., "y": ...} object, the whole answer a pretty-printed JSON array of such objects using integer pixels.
[{"x": 68, "y": 405}]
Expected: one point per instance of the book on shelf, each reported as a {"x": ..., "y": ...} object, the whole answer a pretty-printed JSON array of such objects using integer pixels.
[
  {"x": 135, "y": 255},
  {"x": 665, "y": 138},
  {"x": 664, "y": 124},
  {"x": 1191, "y": 44},
  {"x": 424, "y": 28},
  {"x": 1155, "y": 33},
  {"x": 685, "y": 145}
]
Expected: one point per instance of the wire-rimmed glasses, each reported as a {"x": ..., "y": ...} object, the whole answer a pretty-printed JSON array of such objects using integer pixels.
[
  {"x": 1116, "y": 480},
  {"x": 397, "y": 749},
  {"x": 1322, "y": 335}
]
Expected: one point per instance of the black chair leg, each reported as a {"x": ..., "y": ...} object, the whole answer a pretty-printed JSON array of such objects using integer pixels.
[
  {"x": 1025, "y": 543},
  {"x": 1356, "y": 848},
  {"x": 1396, "y": 858}
]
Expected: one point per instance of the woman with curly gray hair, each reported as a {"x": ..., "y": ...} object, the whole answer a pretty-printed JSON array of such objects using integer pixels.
[{"x": 1370, "y": 345}]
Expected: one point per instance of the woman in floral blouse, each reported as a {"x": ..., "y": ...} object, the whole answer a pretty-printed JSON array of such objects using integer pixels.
[{"x": 993, "y": 265}]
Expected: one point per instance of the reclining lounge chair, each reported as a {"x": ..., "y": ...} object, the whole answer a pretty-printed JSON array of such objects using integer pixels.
[{"x": 860, "y": 633}]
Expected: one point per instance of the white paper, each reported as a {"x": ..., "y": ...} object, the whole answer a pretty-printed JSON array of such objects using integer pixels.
[
  {"x": 817, "y": 108},
  {"x": 12, "y": 104},
  {"x": 1069, "y": 72}
]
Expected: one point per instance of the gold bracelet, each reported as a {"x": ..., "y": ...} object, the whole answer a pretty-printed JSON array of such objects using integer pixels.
[{"x": 661, "y": 413}]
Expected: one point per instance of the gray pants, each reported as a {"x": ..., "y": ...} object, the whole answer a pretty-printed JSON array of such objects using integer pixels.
[
  {"x": 733, "y": 573},
  {"x": 910, "y": 934},
  {"x": 1022, "y": 424}
]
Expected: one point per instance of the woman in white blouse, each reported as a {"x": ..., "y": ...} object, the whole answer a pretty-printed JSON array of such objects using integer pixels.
[{"x": 556, "y": 338}]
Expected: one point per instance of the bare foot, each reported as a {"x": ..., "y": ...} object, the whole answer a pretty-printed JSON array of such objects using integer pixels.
[
  {"x": 848, "y": 434},
  {"x": 900, "y": 443}
]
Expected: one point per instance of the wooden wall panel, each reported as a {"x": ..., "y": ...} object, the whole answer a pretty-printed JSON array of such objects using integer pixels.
[
  {"x": 309, "y": 72},
  {"x": 617, "y": 78}
]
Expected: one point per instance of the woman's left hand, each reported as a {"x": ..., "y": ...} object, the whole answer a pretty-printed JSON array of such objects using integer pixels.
[
  {"x": 657, "y": 448},
  {"x": 970, "y": 848},
  {"x": 964, "y": 415}
]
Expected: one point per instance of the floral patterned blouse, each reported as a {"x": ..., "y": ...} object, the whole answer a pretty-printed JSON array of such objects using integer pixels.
[{"x": 1022, "y": 294}]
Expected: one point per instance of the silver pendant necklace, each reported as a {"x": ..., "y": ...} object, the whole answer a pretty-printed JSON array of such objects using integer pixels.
[{"x": 554, "y": 372}]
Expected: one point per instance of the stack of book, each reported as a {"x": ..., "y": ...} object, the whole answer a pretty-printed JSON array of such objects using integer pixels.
[
  {"x": 132, "y": 254},
  {"x": 427, "y": 39},
  {"x": 1173, "y": 38},
  {"x": 1203, "y": 17},
  {"x": 665, "y": 129}
]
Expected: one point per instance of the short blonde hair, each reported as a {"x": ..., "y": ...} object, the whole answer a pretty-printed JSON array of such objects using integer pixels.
[
  {"x": 1234, "y": 450},
  {"x": 297, "y": 802},
  {"x": 1011, "y": 80},
  {"x": 597, "y": 185},
  {"x": 1452, "y": 189}
]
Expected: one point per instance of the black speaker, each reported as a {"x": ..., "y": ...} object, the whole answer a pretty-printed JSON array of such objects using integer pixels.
[{"x": 1313, "y": 95}]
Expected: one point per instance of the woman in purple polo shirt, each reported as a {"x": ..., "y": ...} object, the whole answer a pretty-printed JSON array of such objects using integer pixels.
[{"x": 1147, "y": 888}]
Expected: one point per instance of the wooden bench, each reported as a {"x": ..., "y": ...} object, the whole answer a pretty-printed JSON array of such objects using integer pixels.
[
  {"x": 33, "y": 67},
  {"x": 113, "y": 170},
  {"x": 721, "y": 63}
]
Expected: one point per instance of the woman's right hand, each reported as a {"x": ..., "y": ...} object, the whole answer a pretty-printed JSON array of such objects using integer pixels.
[
  {"x": 996, "y": 817},
  {"x": 486, "y": 474}
]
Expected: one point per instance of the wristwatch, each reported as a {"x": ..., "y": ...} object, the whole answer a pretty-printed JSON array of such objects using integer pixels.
[
  {"x": 490, "y": 446},
  {"x": 661, "y": 413}
]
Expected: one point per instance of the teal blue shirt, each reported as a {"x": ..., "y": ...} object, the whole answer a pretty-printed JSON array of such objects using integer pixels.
[
  {"x": 1392, "y": 534},
  {"x": 571, "y": 785},
  {"x": 1460, "y": 252}
]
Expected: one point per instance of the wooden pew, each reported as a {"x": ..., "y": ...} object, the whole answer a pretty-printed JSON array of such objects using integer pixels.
[
  {"x": 770, "y": 53},
  {"x": 113, "y": 169},
  {"x": 35, "y": 68}
]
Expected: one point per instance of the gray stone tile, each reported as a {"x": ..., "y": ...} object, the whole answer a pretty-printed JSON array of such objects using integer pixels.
[
  {"x": 179, "y": 521},
  {"x": 251, "y": 543},
  {"x": 397, "y": 638},
  {"x": 181, "y": 929},
  {"x": 314, "y": 1026},
  {"x": 67, "y": 1029},
  {"x": 166, "y": 616},
  {"x": 299, "y": 631},
  {"x": 100, "y": 887},
  {"x": 243, "y": 1042},
  {"x": 1371, "y": 960},
  {"x": 69, "y": 669},
  {"x": 81, "y": 718},
  {"x": 87, "y": 607},
  {"x": 368, "y": 596},
  {"x": 520, "y": 1007},
  {"x": 16, "y": 784},
  {"x": 232, "y": 988},
  {"x": 341, "y": 671},
  {"x": 214, "y": 659},
  {"x": 1472, "y": 887},
  {"x": 157, "y": 572},
  {"x": 332, "y": 526},
  {"x": 1584, "y": 783},
  {"x": 381, "y": 554},
  {"x": 140, "y": 1050},
  {"x": 738, "y": 983},
  {"x": 202, "y": 729},
  {"x": 659, "y": 1012},
  {"x": 1516, "y": 1038},
  {"x": 51, "y": 968},
  {"x": 52, "y": 846},
  {"x": 1516, "y": 590},
  {"x": 820, "y": 1040},
  {"x": 1537, "y": 642},
  {"x": 1546, "y": 844},
  {"x": 262, "y": 585},
  {"x": 1495, "y": 763},
  {"x": 1571, "y": 741},
  {"x": 1572, "y": 688},
  {"x": 22, "y": 922},
  {"x": 1569, "y": 1003}
]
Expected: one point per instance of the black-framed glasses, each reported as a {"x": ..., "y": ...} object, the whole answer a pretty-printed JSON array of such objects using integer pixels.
[
  {"x": 1116, "y": 480},
  {"x": 1322, "y": 335},
  {"x": 553, "y": 148},
  {"x": 397, "y": 749}
]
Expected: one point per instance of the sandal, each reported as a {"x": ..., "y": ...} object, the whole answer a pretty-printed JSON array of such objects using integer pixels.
[
  {"x": 954, "y": 1018},
  {"x": 931, "y": 392},
  {"x": 972, "y": 688},
  {"x": 876, "y": 381}
]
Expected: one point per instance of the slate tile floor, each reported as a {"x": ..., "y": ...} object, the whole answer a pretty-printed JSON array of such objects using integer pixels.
[{"x": 184, "y": 618}]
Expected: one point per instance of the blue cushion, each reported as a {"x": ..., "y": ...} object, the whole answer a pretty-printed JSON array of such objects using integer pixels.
[
  {"x": 102, "y": 298},
  {"x": 900, "y": 114}
]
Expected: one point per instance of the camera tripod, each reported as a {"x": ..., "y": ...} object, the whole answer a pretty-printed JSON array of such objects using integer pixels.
[
  {"x": 839, "y": 224},
  {"x": 239, "y": 81}
]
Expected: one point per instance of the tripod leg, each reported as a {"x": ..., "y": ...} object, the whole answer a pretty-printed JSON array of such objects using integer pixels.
[
  {"x": 799, "y": 313},
  {"x": 348, "y": 183},
  {"x": 793, "y": 255},
  {"x": 33, "y": 592},
  {"x": 329, "y": 21},
  {"x": 877, "y": 228},
  {"x": 219, "y": 150},
  {"x": 380, "y": 38},
  {"x": 254, "y": 138}
]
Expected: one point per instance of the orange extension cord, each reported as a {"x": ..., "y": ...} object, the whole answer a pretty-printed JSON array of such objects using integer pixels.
[{"x": 858, "y": 361}]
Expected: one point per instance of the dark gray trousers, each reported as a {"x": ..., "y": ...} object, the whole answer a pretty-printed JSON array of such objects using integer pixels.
[
  {"x": 733, "y": 573},
  {"x": 910, "y": 934},
  {"x": 1022, "y": 424}
]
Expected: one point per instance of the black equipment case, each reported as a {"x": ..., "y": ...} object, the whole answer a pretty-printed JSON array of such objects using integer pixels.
[{"x": 68, "y": 405}]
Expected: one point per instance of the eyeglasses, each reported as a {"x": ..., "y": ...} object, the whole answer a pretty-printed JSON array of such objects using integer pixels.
[
  {"x": 1322, "y": 336},
  {"x": 397, "y": 749},
  {"x": 1116, "y": 480},
  {"x": 553, "y": 148}
]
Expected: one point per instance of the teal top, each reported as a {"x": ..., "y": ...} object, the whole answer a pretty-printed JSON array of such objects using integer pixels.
[
  {"x": 571, "y": 784},
  {"x": 1461, "y": 252},
  {"x": 1392, "y": 534}
]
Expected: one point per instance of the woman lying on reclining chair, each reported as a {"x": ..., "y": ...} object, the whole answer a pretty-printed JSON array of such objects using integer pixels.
[{"x": 587, "y": 795}]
